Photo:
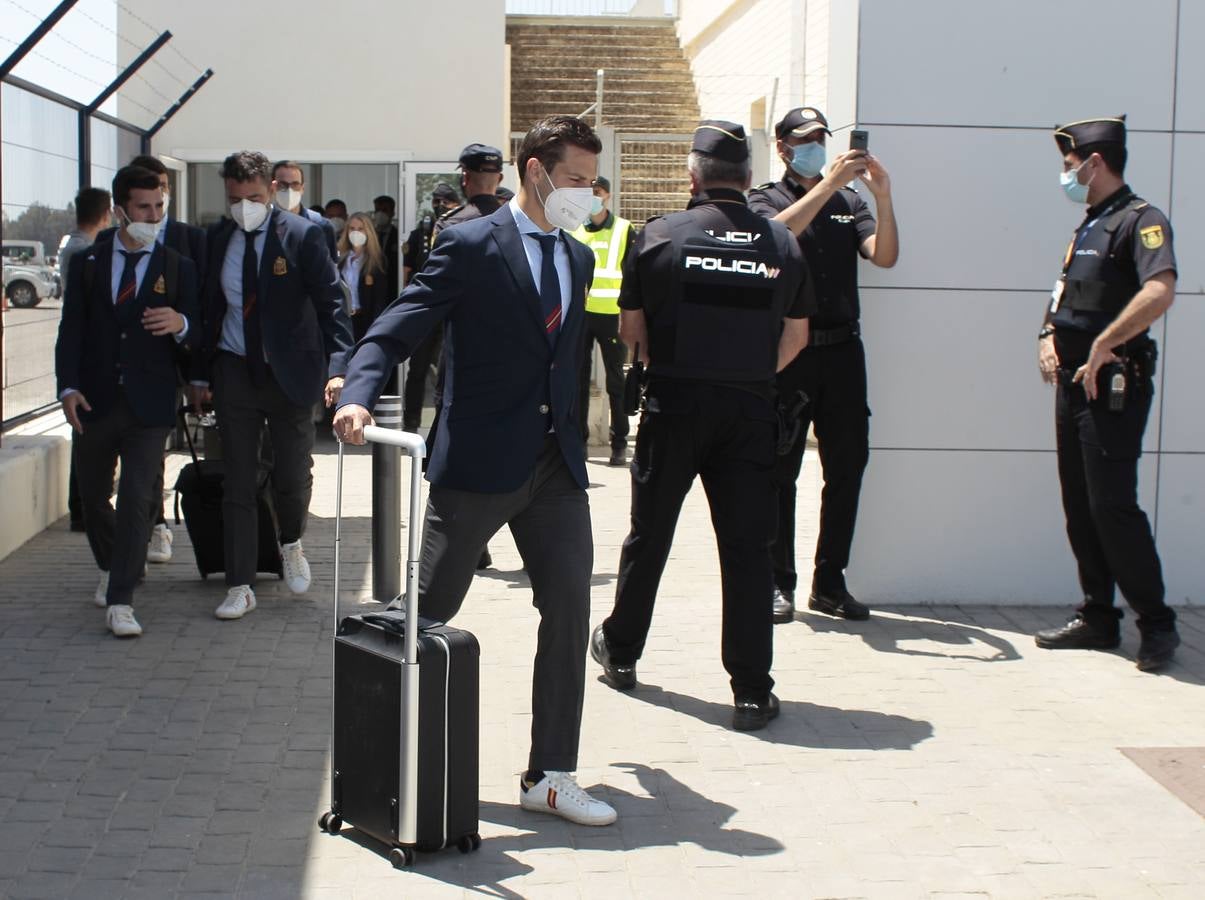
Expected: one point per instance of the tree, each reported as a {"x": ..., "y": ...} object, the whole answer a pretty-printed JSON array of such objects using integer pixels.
[{"x": 41, "y": 223}]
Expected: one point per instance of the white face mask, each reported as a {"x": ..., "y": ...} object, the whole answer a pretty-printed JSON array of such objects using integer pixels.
[
  {"x": 249, "y": 215},
  {"x": 567, "y": 208},
  {"x": 357, "y": 238},
  {"x": 142, "y": 233},
  {"x": 167, "y": 203},
  {"x": 287, "y": 198}
]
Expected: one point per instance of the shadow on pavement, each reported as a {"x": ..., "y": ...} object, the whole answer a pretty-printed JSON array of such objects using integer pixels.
[
  {"x": 891, "y": 632},
  {"x": 668, "y": 813},
  {"x": 802, "y": 724}
]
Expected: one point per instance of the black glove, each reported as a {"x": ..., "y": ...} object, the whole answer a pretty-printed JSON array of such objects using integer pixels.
[{"x": 633, "y": 385}]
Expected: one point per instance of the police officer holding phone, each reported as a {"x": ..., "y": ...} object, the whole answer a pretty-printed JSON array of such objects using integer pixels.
[
  {"x": 715, "y": 299},
  {"x": 834, "y": 227},
  {"x": 1118, "y": 278}
]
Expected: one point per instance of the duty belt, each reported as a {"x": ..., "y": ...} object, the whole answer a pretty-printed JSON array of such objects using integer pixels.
[{"x": 827, "y": 337}]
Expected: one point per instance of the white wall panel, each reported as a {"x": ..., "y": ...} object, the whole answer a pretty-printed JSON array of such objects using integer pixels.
[
  {"x": 1022, "y": 63},
  {"x": 1190, "y": 80},
  {"x": 1183, "y": 379},
  {"x": 981, "y": 209},
  {"x": 1180, "y": 528},
  {"x": 945, "y": 527},
  {"x": 842, "y": 106},
  {"x": 1187, "y": 212},
  {"x": 958, "y": 370}
]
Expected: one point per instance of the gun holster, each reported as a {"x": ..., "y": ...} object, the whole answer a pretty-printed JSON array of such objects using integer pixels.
[{"x": 790, "y": 420}]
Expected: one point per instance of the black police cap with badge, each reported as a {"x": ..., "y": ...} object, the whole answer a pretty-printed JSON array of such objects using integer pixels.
[
  {"x": 723, "y": 140},
  {"x": 1089, "y": 132},
  {"x": 801, "y": 121},
  {"x": 481, "y": 158}
]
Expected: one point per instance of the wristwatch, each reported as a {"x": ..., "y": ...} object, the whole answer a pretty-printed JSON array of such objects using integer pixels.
[{"x": 1047, "y": 331}]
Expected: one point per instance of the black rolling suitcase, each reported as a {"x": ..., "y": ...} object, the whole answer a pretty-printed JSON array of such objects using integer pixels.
[
  {"x": 199, "y": 495},
  {"x": 404, "y": 749}
]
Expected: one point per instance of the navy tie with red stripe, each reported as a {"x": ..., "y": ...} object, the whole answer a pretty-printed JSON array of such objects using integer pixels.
[
  {"x": 128, "y": 286},
  {"x": 550, "y": 287}
]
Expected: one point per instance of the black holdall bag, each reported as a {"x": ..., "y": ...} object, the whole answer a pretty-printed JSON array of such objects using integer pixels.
[
  {"x": 405, "y": 718},
  {"x": 199, "y": 495}
]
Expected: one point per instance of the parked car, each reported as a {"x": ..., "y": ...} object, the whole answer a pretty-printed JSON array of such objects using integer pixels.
[{"x": 28, "y": 277}]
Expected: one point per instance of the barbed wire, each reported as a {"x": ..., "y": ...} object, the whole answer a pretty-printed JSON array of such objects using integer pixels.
[
  {"x": 129, "y": 12},
  {"x": 153, "y": 60}
]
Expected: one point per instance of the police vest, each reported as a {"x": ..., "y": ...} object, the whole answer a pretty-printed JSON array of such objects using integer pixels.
[
  {"x": 1101, "y": 285},
  {"x": 608, "y": 245},
  {"x": 722, "y": 313}
]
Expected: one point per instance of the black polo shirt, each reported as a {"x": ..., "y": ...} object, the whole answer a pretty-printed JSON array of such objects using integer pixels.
[
  {"x": 1134, "y": 252},
  {"x": 831, "y": 245}
]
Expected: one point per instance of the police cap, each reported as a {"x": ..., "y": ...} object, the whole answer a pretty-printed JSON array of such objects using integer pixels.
[
  {"x": 801, "y": 121},
  {"x": 1090, "y": 131},
  {"x": 444, "y": 191},
  {"x": 723, "y": 140},
  {"x": 481, "y": 158}
]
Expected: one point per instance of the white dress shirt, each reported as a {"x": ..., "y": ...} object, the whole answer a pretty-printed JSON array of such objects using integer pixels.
[{"x": 535, "y": 254}]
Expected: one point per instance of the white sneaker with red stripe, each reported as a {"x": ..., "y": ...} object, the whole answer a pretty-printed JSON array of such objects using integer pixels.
[{"x": 559, "y": 794}]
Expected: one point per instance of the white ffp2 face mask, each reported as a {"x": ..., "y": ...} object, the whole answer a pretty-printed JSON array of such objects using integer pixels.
[
  {"x": 143, "y": 233},
  {"x": 567, "y": 208},
  {"x": 248, "y": 215},
  {"x": 287, "y": 198},
  {"x": 357, "y": 238}
]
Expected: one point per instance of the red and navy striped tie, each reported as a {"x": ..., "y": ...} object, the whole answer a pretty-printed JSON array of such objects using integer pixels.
[{"x": 550, "y": 287}]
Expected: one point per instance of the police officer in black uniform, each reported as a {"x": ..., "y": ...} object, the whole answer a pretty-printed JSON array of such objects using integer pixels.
[
  {"x": 1118, "y": 278},
  {"x": 481, "y": 175},
  {"x": 716, "y": 300},
  {"x": 414, "y": 256},
  {"x": 828, "y": 379}
]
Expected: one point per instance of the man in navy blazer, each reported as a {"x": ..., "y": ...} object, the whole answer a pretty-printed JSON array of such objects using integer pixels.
[
  {"x": 131, "y": 305},
  {"x": 509, "y": 290},
  {"x": 288, "y": 191},
  {"x": 275, "y": 335},
  {"x": 188, "y": 241}
]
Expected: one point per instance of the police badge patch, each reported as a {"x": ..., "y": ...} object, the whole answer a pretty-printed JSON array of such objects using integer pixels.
[{"x": 1152, "y": 237}]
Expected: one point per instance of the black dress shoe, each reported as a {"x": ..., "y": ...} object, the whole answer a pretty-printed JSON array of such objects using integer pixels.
[
  {"x": 838, "y": 603},
  {"x": 1078, "y": 635},
  {"x": 622, "y": 678},
  {"x": 485, "y": 561},
  {"x": 619, "y": 457},
  {"x": 784, "y": 606},
  {"x": 1157, "y": 649},
  {"x": 753, "y": 716}
]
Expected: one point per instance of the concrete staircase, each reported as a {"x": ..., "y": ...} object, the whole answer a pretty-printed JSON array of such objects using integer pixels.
[{"x": 648, "y": 90}]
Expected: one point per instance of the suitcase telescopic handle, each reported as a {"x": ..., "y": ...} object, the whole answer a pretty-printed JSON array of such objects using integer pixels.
[{"x": 409, "y": 441}]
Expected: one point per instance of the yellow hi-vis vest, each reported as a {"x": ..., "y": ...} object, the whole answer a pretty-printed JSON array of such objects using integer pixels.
[{"x": 608, "y": 245}]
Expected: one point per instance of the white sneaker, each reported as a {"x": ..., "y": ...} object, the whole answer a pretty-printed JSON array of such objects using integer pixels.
[
  {"x": 558, "y": 793},
  {"x": 159, "y": 550},
  {"x": 101, "y": 597},
  {"x": 121, "y": 621},
  {"x": 297, "y": 569},
  {"x": 239, "y": 601}
]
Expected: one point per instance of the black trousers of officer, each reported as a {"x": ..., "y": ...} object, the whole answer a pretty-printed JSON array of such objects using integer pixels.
[
  {"x": 1110, "y": 535},
  {"x": 604, "y": 328},
  {"x": 725, "y": 436},
  {"x": 414, "y": 392},
  {"x": 834, "y": 379}
]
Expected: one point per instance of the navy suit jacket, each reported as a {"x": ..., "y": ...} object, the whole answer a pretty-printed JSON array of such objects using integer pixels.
[
  {"x": 306, "y": 331},
  {"x": 101, "y": 345},
  {"x": 327, "y": 227},
  {"x": 501, "y": 372}
]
